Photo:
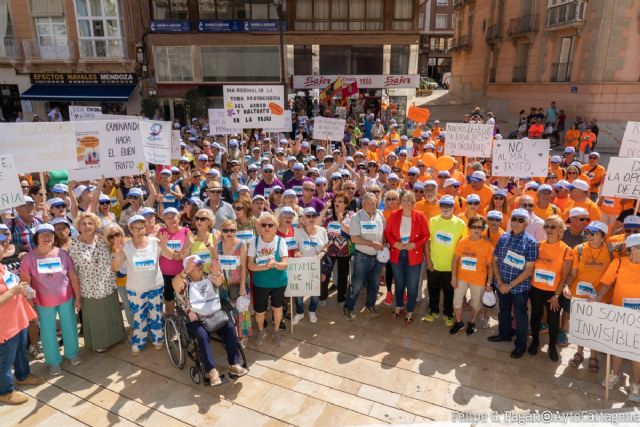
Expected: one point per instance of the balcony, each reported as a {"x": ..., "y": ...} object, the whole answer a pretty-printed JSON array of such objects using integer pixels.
[
  {"x": 523, "y": 25},
  {"x": 568, "y": 14},
  {"x": 494, "y": 34},
  {"x": 519, "y": 74},
  {"x": 462, "y": 42},
  {"x": 561, "y": 72},
  {"x": 9, "y": 49},
  {"x": 103, "y": 49},
  {"x": 57, "y": 50}
]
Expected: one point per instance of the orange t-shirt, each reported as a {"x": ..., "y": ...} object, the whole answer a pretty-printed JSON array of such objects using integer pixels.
[
  {"x": 474, "y": 257},
  {"x": 428, "y": 209},
  {"x": 16, "y": 313},
  {"x": 614, "y": 205},
  {"x": 590, "y": 265},
  {"x": 493, "y": 237},
  {"x": 571, "y": 138},
  {"x": 626, "y": 292},
  {"x": 546, "y": 213},
  {"x": 595, "y": 175},
  {"x": 586, "y": 140},
  {"x": 589, "y": 205},
  {"x": 557, "y": 170},
  {"x": 547, "y": 270},
  {"x": 561, "y": 202},
  {"x": 485, "y": 194}
]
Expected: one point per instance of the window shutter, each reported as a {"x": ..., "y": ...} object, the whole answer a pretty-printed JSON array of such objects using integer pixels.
[{"x": 47, "y": 8}]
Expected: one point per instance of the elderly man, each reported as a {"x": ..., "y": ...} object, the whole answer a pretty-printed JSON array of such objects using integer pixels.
[
  {"x": 535, "y": 223},
  {"x": 298, "y": 179},
  {"x": 580, "y": 199},
  {"x": 267, "y": 182},
  {"x": 595, "y": 172},
  {"x": 513, "y": 261},
  {"x": 308, "y": 199},
  {"x": 221, "y": 209},
  {"x": 23, "y": 225},
  {"x": 578, "y": 220},
  {"x": 544, "y": 208},
  {"x": 477, "y": 186}
]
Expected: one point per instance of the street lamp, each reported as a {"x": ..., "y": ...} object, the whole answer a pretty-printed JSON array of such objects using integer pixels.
[{"x": 281, "y": 9}]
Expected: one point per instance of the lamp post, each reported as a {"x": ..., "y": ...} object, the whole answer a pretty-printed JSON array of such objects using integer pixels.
[{"x": 281, "y": 9}]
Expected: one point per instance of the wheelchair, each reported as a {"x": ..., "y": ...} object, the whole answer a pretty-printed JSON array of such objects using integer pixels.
[{"x": 180, "y": 344}]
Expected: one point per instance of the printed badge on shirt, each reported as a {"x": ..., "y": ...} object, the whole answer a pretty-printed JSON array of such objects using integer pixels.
[
  {"x": 444, "y": 238},
  {"x": 144, "y": 264},
  {"x": 10, "y": 279},
  {"x": 544, "y": 277},
  {"x": 205, "y": 256},
  {"x": 49, "y": 265},
  {"x": 267, "y": 192},
  {"x": 514, "y": 260},
  {"x": 244, "y": 235},
  {"x": 298, "y": 190},
  {"x": 468, "y": 263},
  {"x": 291, "y": 243},
  {"x": 229, "y": 262},
  {"x": 585, "y": 289},
  {"x": 334, "y": 227},
  {"x": 175, "y": 245},
  {"x": 632, "y": 303},
  {"x": 369, "y": 227}
]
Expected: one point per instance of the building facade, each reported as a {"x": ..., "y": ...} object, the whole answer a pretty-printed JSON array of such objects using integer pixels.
[
  {"x": 515, "y": 54},
  {"x": 436, "y": 38},
  {"x": 64, "y": 52}
]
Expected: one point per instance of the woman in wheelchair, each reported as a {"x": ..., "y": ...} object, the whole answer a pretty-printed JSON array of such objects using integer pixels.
[{"x": 199, "y": 298}]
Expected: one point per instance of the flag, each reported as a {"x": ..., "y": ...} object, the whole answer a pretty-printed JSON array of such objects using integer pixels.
[
  {"x": 330, "y": 91},
  {"x": 350, "y": 89}
]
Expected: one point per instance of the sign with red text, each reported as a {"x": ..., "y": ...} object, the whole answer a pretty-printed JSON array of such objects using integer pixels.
[{"x": 364, "y": 81}]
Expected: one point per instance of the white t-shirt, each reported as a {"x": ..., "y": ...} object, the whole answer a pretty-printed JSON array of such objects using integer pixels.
[
  {"x": 311, "y": 245},
  {"x": 405, "y": 229},
  {"x": 265, "y": 251},
  {"x": 143, "y": 270}
]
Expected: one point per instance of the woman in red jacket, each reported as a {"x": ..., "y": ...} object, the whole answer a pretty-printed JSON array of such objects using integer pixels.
[{"x": 407, "y": 232}]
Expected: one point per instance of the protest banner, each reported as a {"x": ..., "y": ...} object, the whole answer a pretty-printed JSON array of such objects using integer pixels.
[
  {"x": 110, "y": 148},
  {"x": 156, "y": 141},
  {"x": 468, "y": 139},
  {"x": 255, "y": 106},
  {"x": 520, "y": 157},
  {"x": 606, "y": 328},
  {"x": 622, "y": 178},
  {"x": 217, "y": 125},
  {"x": 417, "y": 114},
  {"x": 80, "y": 113},
  {"x": 630, "y": 146},
  {"x": 328, "y": 129},
  {"x": 175, "y": 144},
  {"x": 287, "y": 124},
  {"x": 39, "y": 146},
  {"x": 304, "y": 277},
  {"x": 10, "y": 191}
]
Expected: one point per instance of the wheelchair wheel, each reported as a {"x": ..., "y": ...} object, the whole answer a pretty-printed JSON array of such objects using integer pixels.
[
  {"x": 173, "y": 341},
  {"x": 195, "y": 374}
]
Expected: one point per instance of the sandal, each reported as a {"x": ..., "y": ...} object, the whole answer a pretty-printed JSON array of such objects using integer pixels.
[
  {"x": 408, "y": 319},
  {"x": 397, "y": 314},
  {"x": 576, "y": 361},
  {"x": 594, "y": 365},
  {"x": 214, "y": 378}
]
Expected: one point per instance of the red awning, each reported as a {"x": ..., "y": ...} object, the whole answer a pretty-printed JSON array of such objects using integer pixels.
[{"x": 173, "y": 90}]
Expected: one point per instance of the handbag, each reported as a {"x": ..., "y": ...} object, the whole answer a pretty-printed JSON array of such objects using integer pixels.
[{"x": 214, "y": 322}]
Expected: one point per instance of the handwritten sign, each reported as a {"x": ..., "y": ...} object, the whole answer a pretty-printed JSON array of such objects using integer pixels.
[
  {"x": 79, "y": 113},
  {"x": 606, "y": 328},
  {"x": 39, "y": 146},
  {"x": 175, "y": 145},
  {"x": 156, "y": 141},
  {"x": 304, "y": 277},
  {"x": 418, "y": 115},
  {"x": 623, "y": 178},
  {"x": 287, "y": 124},
  {"x": 110, "y": 148},
  {"x": 328, "y": 129},
  {"x": 10, "y": 191},
  {"x": 520, "y": 157},
  {"x": 217, "y": 124},
  {"x": 630, "y": 146},
  {"x": 254, "y": 106},
  {"x": 468, "y": 139}
]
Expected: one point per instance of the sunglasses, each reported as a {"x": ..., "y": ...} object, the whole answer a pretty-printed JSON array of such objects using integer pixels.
[
  {"x": 218, "y": 191},
  {"x": 267, "y": 171},
  {"x": 518, "y": 220},
  {"x": 494, "y": 220},
  {"x": 392, "y": 199},
  {"x": 65, "y": 206},
  {"x": 473, "y": 203},
  {"x": 309, "y": 189},
  {"x": 476, "y": 227},
  {"x": 499, "y": 197},
  {"x": 229, "y": 230},
  {"x": 549, "y": 227},
  {"x": 201, "y": 218},
  {"x": 584, "y": 219},
  {"x": 238, "y": 208},
  {"x": 267, "y": 225},
  {"x": 309, "y": 216},
  {"x": 418, "y": 191},
  {"x": 113, "y": 236},
  {"x": 413, "y": 174},
  {"x": 336, "y": 179},
  {"x": 527, "y": 205},
  {"x": 108, "y": 202}
]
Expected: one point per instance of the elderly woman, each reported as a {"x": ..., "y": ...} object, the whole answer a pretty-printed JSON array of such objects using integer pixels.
[
  {"x": 247, "y": 223},
  {"x": 205, "y": 236},
  {"x": 337, "y": 224},
  {"x": 112, "y": 233},
  {"x": 50, "y": 272},
  {"x": 62, "y": 229},
  {"x": 176, "y": 238},
  {"x": 104, "y": 211},
  {"x": 199, "y": 297},
  {"x": 101, "y": 318},
  {"x": 151, "y": 226},
  {"x": 406, "y": 232},
  {"x": 135, "y": 202},
  {"x": 290, "y": 200}
]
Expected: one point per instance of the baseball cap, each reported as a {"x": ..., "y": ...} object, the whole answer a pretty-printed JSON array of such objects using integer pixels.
[
  {"x": 596, "y": 226},
  {"x": 268, "y": 167},
  {"x": 595, "y": 154},
  {"x": 195, "y": 258},
  {"x": 336, "y": 175},
  {"x": 56, "y": 201},
  {"x": 580, "y": 185},
  {"x": 258, "y": 197},
  {"x": 321, "y": 180},
  {"x": 80, "y": 189},
  {"x": 104, "y": 198},
  {"x": 569, "y": 150},
  {"x": 195, "y": 201},
  {"x": 414, "y": 170},
  {"x": 290, "y": 193},
  {"x": 135, "y": 192},
  {"x": 203, "y": 157},
  {"x": 393, "y": 176},
  {"x": 545, "y": 187},
  {"x": 298, "y": 167},
  {"x": 430, "y": 145},
  {"x": 170, "y": 211},
  {"x": 431, "y": 182},
  {"x": 471, "y": 198},
  {"x": 184, "y": 159},
  {"x": 447, "y": 200},
  {"x": 451, "y": 182},
  {"x": 60, "y": 220},
  {"x": 147, "y": 211},
  {"x": 444, "y": 174},
  {"x": 385, "y": 169},
  {"x": 563, "y": 184},
  {"x": 478, "y": 176},
  {"x": 418, "y": 186},
  {"x": 309, "y": 211},
  {"x": 44, "y": 228},
  {"x": 531, "y": 185},
  {"x": 165, "y": 172},
  {"x": 494, "y": 215},
  {"x": 242, "y": 188},
  {"x": 632, "y": 221},
  {"x": 633, "y": 240},
  {"x": 60, "y": 188},
  {"x": 287, "y": 211},
  {"x": 578, "y": 212},
  {"x": 556, "y": 160},
  {"x": 519, "y": 213},
  {"x": 442, "y": 135}
]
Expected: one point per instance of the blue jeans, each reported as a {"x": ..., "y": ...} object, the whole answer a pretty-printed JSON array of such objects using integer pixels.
[
  {"x": 13, "y": 353},
  {"x": 519, "y": 303},
  {"x": 406, "y": 277},
  {"x": 229, "y": 337},
  {"x": 313, "y": 304},
  {"x": 366, "y": 272}
]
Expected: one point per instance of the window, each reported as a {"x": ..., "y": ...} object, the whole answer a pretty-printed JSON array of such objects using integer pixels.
[
  {"x": 174, "y": 64},
  {"x": 350, "y": 59},
  {"x": 402, "y": 15},
  {"x": 399, "y": 59},
  {"x": 302, "y": 60},
  {"x": 339, "y": 15},
  {"x": 100, "y": 29},
  {"x": 52, "y": 38},
  {"x": 442, "y": 3},
  {"x": 237, "y": 9},
  {"x": 240, "y": 63},
  {"x": 171, "y": 10},
  {"x": 441, "y": 21}
]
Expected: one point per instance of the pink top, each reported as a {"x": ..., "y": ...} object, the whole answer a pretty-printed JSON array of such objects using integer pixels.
[
  {"x": 49, "y": 277},
  {"x": 15, "y": 314},
  {"x": 171, "y": 267}
]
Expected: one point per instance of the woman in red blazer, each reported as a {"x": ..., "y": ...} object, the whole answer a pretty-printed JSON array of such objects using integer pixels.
[{"x": 407, "y": 232}]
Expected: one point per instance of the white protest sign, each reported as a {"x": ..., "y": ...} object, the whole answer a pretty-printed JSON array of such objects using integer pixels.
[
  {"x": 254, "y": 106},
  {"x": 304, "y": 277},
  {"x": 623, "y": 178},
  {"x": 520, "y": 157},
  {"x": 79, "y": 113},
  {"x": 606, "y": 328},
  {"x": 175, "y": 144},
  {"x": 630, "y": 146},
  {"x": 110, "y": 148},
  {"x": 39, "y": 146},
  {"x": 287, "y": 124},
  {"x": 156, "y": 141},
  {"x": 10, "y": 191},
  {"x": 468, "y": 139},
  {"x": 217, "y": 125},
  {"x": 328, "y": 129}
]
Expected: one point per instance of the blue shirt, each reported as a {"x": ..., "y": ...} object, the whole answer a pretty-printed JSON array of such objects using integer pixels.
[{"x": 513, "y": 251}]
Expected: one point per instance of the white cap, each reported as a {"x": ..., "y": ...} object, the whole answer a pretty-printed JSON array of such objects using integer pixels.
[
  {"x": 309, "y": 211},
  {"x": 596, "y": 226},
  {"x": 578, "y": 212},
  {"x": 135, "y": 218},
  {"x": 195, "y": 258},
  {"x": 478, "y": 176},
  {"x": 632, "y": 221},
  {"x": 494, "y": 215},
  {"x": 450, "y": 182},
  {"x": 471, "y": 198},
  {"x": 580, "y": 185},
  {"x": 633, "y": 240},
  {"x": 519, "y": 213}
]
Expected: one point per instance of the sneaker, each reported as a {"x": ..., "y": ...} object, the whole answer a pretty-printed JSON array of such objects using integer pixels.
[
  {"x": 14, "y": 398},
  {"x": 348, "y": 314},
  {"x": 277, "y": 338},
  {"x": 431, "y": 317},
  {"x": 634, "y": 393},
  {"x": 55, "y": 370},
  {"x": 471, "y": 328},
  {"x": 388, "y": 300},
  {"x": 372, "y": 311},
  {"x": 563, "y": 340},
  {"x": 297, "y": 318},
  {"x": 30, "y": 380},
  {"x": 312, "y": 317},
  {"x": 448, "y": 321},
  {"x": 260, "y": 336},
  {"x": 614, "y": 381},
  {"x": 457, "y": 327}
]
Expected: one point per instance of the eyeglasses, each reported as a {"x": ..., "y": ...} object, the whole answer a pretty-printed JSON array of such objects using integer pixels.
[
  {"x": 267, "y": 171},
  {"x": 518, "y": 220},
  {"x": 499, "y": 197},
  {"x": 201, "y": 218},
  {"x": 229, "y": 230},
  {"x": 413, "y": 174},
  {"x": 113, "y": 236},
  {"x": 238, "y": 208},
  {"x": 267, "y": 225},
  {"x": 473, "y": 203},
  {"x": 527, "y": 205},
  {"x": 549, "y": 227},
  {"x": 309, "y": 189},
  {"x": 309, "y": 216},
  {"x": 215, "y": 191},
  {"x": 476, "y": 227},
  {"x": 392, "y": 199}
]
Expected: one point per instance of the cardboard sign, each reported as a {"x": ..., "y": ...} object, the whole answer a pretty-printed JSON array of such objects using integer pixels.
[
  {"x": 328, "y": 129},
  {"x": 287, "y": 124},
  {"x": 630, "y": 146},
  {"x": 468, "y": 139},
  {"x": 175, "y": 145},
  {"x": 110, "y": 148},
  {"x": 304, "y": 277},
  {"x": 520, "y": 157},
  {"x": 156, "y": 141},
  {"x": 39, "y": 146},
  {"x": 607, "y": 328},
  {"x": 10, "y": 190},
  {"x": 418, "y": 115},
  {"x": 217, "y": 124},
  {"x": 623, "y": 178},
  {"x": 256, "y": 106},
  {"x": 79, "y": 113}
]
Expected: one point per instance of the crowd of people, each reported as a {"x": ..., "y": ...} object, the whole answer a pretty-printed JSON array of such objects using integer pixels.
[{"x": 380, "y": 208}]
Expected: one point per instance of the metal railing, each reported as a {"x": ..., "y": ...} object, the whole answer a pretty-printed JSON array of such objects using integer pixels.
[
  {"x": 56, "y": 50},
  {"x": 494, "y": 33},
  {"x": 10, "y": 49},
  {"x": 519, "y": 74},
  {"x": 523, "y": 25},
  {"x": 561, "y": 72},
  {"x": 462, "y": 42},
  {"x": 564, "y": 14},
  {"x": 103, "y": 48}
]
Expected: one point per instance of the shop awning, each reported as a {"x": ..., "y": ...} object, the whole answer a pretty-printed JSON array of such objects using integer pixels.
[{"x": 106, "y": 93}]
